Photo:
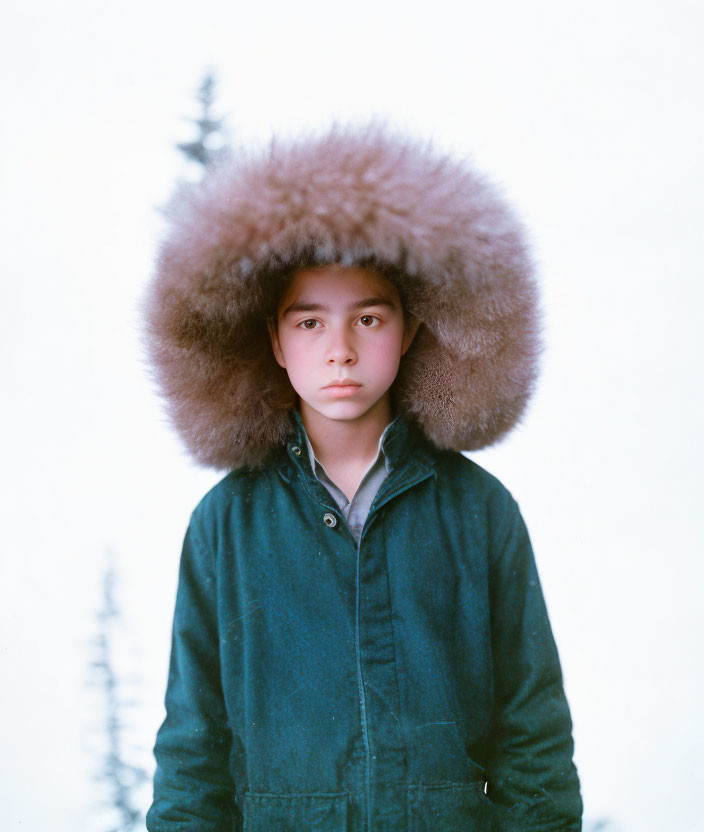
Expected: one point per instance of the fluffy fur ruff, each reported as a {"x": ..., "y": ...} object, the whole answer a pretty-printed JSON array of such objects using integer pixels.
[{"x": 433, "y": 226}]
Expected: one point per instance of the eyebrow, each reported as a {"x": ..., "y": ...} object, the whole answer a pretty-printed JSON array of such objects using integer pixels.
[{"x": 305, "y": 306}]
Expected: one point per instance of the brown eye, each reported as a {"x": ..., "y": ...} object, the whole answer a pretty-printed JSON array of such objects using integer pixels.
[
  {"x": 367, "y": 320},
  {"x": 310, "y": 323}
]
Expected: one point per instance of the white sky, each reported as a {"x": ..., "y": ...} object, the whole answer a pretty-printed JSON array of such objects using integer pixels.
[{"x": 588, "y": 113}]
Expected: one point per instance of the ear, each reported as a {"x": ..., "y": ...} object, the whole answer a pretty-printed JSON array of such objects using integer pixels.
[
  {"x": 271, "y": 325},
  {"x": 409, "y": 333}
]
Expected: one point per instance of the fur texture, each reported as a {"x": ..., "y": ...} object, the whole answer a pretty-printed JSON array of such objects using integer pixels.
[{"x": 433, "y": 226}]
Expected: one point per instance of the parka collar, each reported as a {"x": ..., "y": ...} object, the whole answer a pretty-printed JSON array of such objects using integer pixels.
[
  {"x": 401, "y": 443},
  {"x": 408, "y": 460}
]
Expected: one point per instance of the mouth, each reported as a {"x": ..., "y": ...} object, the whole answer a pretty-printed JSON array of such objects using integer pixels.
[
  {"x": 345, "y": 382},
  {"x": 342, "y": 387}
]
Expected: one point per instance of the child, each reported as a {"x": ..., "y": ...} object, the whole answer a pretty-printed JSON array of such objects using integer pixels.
[{"x": 360, "y": 640}]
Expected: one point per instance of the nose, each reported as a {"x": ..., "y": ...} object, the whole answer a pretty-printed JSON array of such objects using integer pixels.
[{"x": 341, "y": 349}]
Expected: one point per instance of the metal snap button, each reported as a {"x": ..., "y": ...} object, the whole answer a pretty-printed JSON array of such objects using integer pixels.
[
  {"x": 296, "y": 450},
  {"x": 330, "y": 520}
]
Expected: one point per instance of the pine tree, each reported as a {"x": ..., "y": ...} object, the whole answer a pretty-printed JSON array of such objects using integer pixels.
[
  {"x": 210, "y": 144},
  {"x": 119, "y": 779}
]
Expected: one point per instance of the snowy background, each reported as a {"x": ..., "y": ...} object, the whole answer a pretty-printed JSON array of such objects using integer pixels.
[{"x": 589, "y": 114}]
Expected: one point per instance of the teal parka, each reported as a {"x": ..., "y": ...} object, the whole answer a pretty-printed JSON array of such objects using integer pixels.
[
  {"x": 406, "y": 684},
  {"x": 410, "y": 682}
]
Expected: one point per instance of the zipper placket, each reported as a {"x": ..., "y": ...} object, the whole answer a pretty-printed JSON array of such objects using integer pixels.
[
  {"x": 412, "y": 480},
  {"x": 362, "y": 694}
]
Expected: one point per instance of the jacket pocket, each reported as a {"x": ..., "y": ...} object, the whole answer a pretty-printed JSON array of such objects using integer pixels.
[
  {"x": 450, "y": 807},
  {"x": 294, "y": 812}
]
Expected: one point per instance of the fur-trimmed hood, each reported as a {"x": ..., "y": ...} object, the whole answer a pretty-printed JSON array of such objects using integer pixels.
[{"x": 435, "y": 227}]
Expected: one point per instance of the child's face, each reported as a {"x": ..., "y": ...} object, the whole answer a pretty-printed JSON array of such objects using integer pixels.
[{"x": 340, "y": 334}]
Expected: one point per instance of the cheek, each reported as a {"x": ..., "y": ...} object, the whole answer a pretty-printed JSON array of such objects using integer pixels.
[
  {"x": 386, "y": 354},
  {"x": 296, "y": 356}
]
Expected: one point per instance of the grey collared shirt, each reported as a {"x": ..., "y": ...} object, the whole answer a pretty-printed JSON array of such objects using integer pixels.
[{"x": 356, "y": 510}]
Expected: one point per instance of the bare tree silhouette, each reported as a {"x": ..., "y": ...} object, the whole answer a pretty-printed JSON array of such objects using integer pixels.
[{"x": 119, "y": 778}]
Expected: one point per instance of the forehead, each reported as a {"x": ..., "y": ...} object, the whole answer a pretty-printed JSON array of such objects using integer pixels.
[{"x": 338, "y": 282}]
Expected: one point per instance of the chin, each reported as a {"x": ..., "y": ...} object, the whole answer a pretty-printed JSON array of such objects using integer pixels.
[
  {"x": 343, "y": 411},
  {"x": 344, "y": 414}
]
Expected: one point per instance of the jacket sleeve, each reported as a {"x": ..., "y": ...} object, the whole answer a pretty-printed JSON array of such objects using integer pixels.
[
  {"x": 193, "y": 788},
  {"x": 530, "y": 773}
]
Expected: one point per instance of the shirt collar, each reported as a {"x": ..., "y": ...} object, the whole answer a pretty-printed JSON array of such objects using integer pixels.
[{"x": 314, "y": 462}]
